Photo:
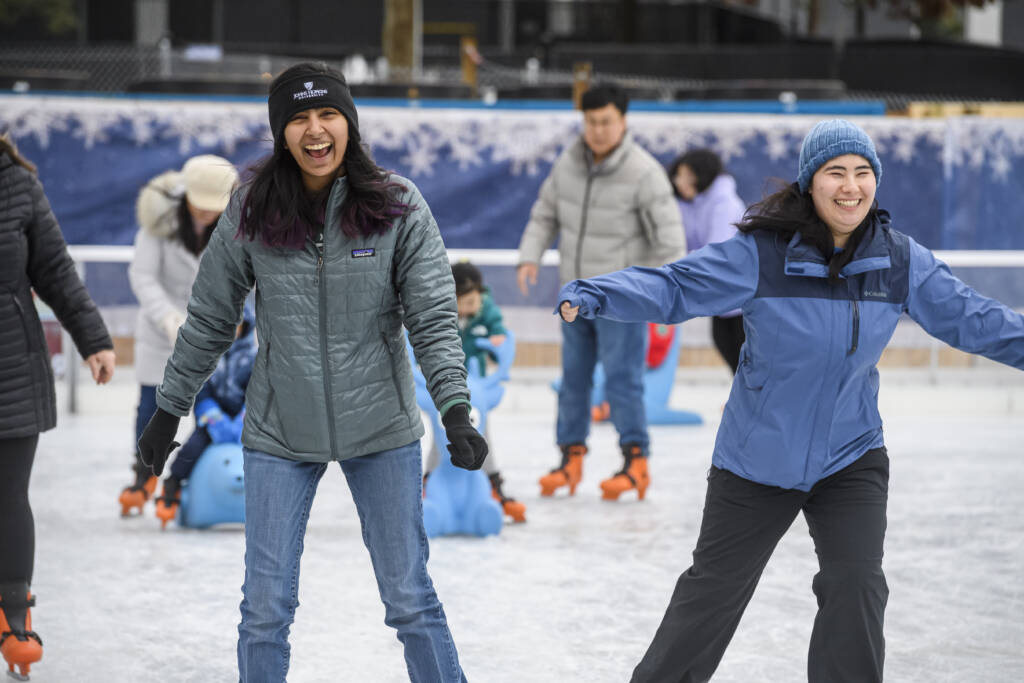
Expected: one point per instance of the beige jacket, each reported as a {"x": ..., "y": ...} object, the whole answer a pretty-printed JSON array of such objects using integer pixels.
[{"x": 606, "y": 217}]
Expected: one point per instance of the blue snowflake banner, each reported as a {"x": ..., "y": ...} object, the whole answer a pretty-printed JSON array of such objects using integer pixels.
[{"x": 954, "y": 183}]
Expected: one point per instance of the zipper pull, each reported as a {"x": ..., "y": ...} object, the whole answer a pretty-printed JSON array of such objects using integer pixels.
[{"x": 319, "y": 258}]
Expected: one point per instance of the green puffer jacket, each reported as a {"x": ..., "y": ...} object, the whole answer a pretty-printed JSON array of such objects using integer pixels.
[{"x": 332, "y": 379}]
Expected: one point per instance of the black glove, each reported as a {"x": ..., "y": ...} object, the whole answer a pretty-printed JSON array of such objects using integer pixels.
[
  {"x": 467, "y": 447},
  {"x": 157, "y": 440}
]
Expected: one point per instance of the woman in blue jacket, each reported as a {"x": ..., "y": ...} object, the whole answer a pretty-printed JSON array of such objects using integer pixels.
[{"x": 822, "y": 279}]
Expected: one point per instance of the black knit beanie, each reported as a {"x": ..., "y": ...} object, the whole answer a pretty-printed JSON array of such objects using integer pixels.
[{"x": 308, "y": 88}]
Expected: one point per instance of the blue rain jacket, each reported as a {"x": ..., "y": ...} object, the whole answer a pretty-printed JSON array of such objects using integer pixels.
[{"x": 804, "y": 402}]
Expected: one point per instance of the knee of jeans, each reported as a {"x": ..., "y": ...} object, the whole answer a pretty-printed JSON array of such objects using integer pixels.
[
  {"x": 264, "y": 613},
  {"x": 403, "y": 605}
]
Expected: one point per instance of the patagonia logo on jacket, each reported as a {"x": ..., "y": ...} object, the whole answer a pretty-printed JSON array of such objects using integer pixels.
[{"x": 362, "y": 253}]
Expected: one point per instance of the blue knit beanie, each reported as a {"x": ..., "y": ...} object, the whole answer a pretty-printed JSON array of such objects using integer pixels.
[{"x": 830, "y": 139}]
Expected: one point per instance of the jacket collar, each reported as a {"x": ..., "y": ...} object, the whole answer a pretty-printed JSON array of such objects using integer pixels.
[
  {"x": 804, "y": 259},
  {"x": 611, "y": 163}
]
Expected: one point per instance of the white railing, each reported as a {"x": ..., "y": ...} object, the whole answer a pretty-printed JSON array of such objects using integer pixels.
[
  {"x": 508, "y": 257},
  {"x": 83, "y": 254}
]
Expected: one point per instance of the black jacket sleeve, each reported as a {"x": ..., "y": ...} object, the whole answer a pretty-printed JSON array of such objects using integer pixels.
[{"x": 51, "y": 272}]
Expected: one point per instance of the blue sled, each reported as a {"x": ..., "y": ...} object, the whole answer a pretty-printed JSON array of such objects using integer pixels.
[
  {"x": 657, "y": 389},
  {"x": 459, "y": 501},
  {"x": 214, "y": 491}
]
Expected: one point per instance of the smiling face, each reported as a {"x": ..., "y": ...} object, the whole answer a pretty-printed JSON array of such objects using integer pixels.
[
  {"x": 317, "y": 139},
  {"x": 843, "y": 191},
  {"x": 603, "y": 130}
]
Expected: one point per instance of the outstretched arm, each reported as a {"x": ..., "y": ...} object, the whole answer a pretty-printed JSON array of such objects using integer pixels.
[
  {"x": 951, "y": 311},
  {"x": 718, "y": 278}
]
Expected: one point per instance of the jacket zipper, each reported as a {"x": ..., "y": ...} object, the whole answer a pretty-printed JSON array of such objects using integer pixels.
[
  {"x": 856, "y": 327},
  {"x": 36, "y": 379},
  {"x": 583, "y": 225},
  {"x": 319, "y": 279}
]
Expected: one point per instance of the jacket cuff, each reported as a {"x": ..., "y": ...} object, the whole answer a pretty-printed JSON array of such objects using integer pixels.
[{"x": 455, "y": 401}]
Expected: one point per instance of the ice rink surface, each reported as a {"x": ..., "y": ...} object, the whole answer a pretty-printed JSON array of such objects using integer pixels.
[{"x": 576, "y": 593}]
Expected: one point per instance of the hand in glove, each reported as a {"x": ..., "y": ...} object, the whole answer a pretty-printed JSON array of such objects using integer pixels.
[
  {"x": 467, "y": 447},
  {"x": 157, "y": 440}
]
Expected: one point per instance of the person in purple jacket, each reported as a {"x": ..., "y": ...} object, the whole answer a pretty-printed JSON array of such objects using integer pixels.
[
  {"x": 822, "y": 278},
  {"x": 710, "y": 210}
]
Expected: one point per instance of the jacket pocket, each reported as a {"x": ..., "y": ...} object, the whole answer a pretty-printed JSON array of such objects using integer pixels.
[{"x": 755, "y": 386}]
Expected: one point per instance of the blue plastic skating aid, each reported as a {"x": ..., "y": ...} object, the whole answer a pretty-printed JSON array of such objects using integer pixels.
[
  {"x": 214, "y": 492},
  {"x": 459, "y": 501},
  {"x": 657, "y": 388}
]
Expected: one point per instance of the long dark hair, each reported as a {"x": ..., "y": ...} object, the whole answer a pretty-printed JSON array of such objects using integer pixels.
[
  {"x": 187, "y": 234},
  {"x": 8, "y": 147},
  {"x": 789, "y": 211},
  {"x": 279, "y": 211}
]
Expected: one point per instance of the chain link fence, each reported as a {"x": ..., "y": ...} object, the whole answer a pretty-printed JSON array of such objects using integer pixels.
[{"x": 119, "y": 69}]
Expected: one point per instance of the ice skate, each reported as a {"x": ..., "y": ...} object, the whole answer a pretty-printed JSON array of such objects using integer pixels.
[
  {"x": 168, "y": 501},
  {"x": 136, "y": 495},
  {"x": 19, "y": 644},
  {"x": 510, "y": 506},
  {"x": 633, "y": 475},
  {"x": 568, "y": 473}
]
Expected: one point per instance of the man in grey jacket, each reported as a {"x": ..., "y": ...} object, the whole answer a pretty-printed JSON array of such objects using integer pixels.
[{"x": 610, "y": 205}]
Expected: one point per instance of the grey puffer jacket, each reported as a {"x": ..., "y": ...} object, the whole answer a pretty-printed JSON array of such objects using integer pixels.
[
  {"x": 332, "y": 379},
  {"x": 33, "y": 255},
  {"x": 607, "y": 216}
]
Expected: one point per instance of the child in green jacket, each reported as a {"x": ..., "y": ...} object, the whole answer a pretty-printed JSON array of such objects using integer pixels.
[{"x": 479, "y": 318}]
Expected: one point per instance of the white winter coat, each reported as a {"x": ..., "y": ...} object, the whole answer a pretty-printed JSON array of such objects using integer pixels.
[{"x": 161, "y": 273}]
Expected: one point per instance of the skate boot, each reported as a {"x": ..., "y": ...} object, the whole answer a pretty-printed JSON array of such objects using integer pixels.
[
  {"x": 136, "y": 495},
  {"x": 510, "y": 506},
  {"x": 568, "y": 473},
  {"x": 168, "y": 501},
  {"x": 19, "y": 644},
  {"x": 633, "y": 475}
]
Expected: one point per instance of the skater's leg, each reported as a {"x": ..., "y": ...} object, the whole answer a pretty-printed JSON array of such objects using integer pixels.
[
  {"x": 620, "y": 348},
  {"x": 386, "y": 490},
  {"x": 188, "y": 454},
  {"x": 17, "y": 527},
  {"x": 579, "y": 355},
  {"x": 278, "y": 495},
  {"x": 20, "y": 646},
  {"x": 846, "y": 518},
  {"x": 742, "y": 524},
  {"x": 144, "y": 411}
]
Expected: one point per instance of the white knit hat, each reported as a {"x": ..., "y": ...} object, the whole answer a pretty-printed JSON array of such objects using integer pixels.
[{"x": 209, "y": 180}]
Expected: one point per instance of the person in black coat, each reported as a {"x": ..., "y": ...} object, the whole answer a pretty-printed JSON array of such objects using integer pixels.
[{"x": 33, "y": 256}]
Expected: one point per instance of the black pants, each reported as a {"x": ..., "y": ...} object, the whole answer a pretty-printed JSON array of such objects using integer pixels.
[
  {"x": 17, "y": 528},
  {"x": 727, "y": 333},
  {"x": 743, "y": 522}
]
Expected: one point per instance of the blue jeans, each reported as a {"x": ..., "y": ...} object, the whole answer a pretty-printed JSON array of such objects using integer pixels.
[
  {"x": 620, "y": 348},
  {"x": 386, "y": 488}
]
